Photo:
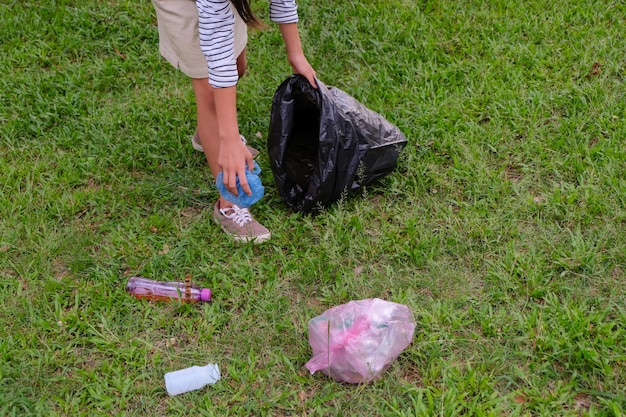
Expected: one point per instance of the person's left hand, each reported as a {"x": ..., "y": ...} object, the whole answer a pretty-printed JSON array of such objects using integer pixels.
[{"x": 301, "y": 66}]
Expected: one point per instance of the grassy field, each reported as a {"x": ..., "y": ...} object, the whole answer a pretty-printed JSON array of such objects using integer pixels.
[{"x": 503, "y": 228}]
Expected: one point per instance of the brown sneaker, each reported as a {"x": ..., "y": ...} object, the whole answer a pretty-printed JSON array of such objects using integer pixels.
[
  {"x": 195, "y": 142},
  {"x": 239, "y": 224}
]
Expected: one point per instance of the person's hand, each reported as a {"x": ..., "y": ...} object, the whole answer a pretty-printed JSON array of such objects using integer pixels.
[
  {"x": 233, "y": 159},
  {"x": 296, "y": 57},
  {"x": 300, "y": 65}
]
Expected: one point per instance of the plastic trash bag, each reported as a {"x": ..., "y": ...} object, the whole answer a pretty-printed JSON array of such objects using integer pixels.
[
  {"x": 242, "y": 199},
  {"x": 323, "y": 142},
  {"x": 357, "y": 341}
]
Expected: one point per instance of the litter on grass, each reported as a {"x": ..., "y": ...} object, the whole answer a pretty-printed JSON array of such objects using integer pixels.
[{"x": 356, "y": 342}]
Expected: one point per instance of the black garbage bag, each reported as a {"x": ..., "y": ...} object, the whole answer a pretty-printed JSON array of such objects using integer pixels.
[{"x": 323, "y": 143}]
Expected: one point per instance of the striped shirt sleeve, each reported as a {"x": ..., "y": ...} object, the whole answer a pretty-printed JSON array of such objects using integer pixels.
[
  {"x": 217, "y": 41},
  {"x": 217, "y": 36},
  {"x": 283, "y": 11}
]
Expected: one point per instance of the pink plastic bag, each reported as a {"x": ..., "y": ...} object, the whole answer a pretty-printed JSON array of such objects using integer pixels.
[{"x": 357, "y": 341}]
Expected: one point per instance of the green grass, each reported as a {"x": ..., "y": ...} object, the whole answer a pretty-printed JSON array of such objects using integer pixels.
[{"x": 503, "y": 228}]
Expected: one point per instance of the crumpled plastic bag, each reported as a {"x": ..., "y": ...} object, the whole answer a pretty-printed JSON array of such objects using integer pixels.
[
  {"x": 323, "y": 143},
  {"x": 356, "y": 342},
  {"x": 242, "y": 199}
]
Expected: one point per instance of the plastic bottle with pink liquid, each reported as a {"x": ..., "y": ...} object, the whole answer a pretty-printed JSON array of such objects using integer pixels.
[{"x": 186, "y": 292}]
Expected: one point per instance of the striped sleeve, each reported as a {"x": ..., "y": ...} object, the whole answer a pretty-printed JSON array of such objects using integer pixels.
[
  {"x": 283, "y": 11},
  {"x": 217, "y": 40}
]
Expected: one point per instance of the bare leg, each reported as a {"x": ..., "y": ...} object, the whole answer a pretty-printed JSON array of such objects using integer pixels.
[
  {"x": 242, "y": 63},
  {"x": 207, "y": 121}
]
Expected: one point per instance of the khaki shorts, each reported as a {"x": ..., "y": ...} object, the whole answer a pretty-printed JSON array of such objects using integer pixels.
[{"x": 178, "y": 36}]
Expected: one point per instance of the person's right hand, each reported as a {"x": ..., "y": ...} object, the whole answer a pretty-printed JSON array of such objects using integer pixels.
[{"x": 233, "y": 159}]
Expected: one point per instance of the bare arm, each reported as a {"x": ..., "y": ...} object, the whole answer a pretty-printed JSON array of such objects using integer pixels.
[
  {"x": 215, "y": 20},
  {"x": 295, "y": 55},
  {"x": 233, "y": 156}
]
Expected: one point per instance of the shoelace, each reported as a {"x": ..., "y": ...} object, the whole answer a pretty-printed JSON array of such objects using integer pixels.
[{"x": 239, "y": 215}]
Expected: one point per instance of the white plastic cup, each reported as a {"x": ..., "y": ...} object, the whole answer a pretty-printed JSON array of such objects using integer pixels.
[{"x": 192, "y": 378}]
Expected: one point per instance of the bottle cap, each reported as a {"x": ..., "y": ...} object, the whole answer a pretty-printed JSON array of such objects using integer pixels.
[{"x": 205, "y": 294}]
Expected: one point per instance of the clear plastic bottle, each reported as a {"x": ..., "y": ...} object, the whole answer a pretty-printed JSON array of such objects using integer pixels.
[
  {"x": 189, "y": 379},
  {"x": 144, "y": 288}
]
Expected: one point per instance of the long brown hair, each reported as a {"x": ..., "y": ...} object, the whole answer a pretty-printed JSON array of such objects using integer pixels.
[{"x": 244, "y": 10}]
